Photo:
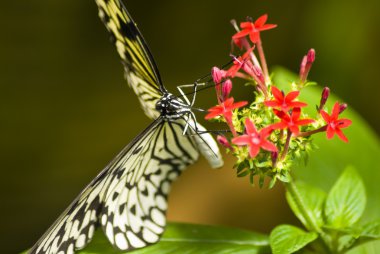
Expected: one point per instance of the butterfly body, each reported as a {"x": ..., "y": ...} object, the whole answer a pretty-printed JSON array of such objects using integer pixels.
[
  {"x": 171, "y": 107},
  {"x": 128, "y": 198}
]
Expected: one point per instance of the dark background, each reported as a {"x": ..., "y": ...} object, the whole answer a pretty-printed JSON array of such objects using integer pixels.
[{"x": 66, "y": 110}]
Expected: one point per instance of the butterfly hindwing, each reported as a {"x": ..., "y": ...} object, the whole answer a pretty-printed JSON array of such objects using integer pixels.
[
  {"x": 140, "y": 69},
  {"x": 129, "y": 196},
  {"x": 134, "y": 211}
]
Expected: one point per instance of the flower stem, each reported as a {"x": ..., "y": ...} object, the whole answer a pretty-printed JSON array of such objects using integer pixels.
[
  {"x": 262, "y": 60},
  {"x": 286, "y": 147},
  {"x": 309, "y": 133}
]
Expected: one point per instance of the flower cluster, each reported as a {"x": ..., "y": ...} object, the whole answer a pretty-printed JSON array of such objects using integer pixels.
[{"x": 272, "y": 131}]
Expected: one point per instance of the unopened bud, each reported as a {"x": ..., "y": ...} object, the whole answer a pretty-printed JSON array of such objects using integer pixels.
[
  {"x": 217, "y": 75},
  {"x": 307, "y": 62},
  {"x": 342, "y": 107},
  {"x": 223, "y": 141},
  {"x": 303, "y": 65},
  {"x": 324, "y": 97},
  {"x": 226, "y": 88},
  {"x": 311, "y": 56},
  {"x": 274, "y": 156}
]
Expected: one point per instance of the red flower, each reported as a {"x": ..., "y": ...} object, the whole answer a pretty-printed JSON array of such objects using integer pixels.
[
  {"x": 334, "y": 125},
  {"x": 240, "y": 62},
  {"x": 291, "y": 122},
  {"x": 254, "y": 139},
  {"x": 284, "y": 102},
  {"x": 225, "y": 109},
  {"x": 253, "y": 29}
]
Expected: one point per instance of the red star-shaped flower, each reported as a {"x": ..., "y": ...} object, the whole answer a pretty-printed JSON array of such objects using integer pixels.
[
  {"x": 284, "y": 102},
  {"x": 254, "y": 139},
  {"x": 334, "y": 125},
  {"x": 253, "y": 29},
  {"x": 225, "y": 109},
  {"x": 291, "y": 122}
]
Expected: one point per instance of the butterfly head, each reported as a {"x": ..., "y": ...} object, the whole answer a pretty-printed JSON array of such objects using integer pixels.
[{"x": 171, "y": 107}]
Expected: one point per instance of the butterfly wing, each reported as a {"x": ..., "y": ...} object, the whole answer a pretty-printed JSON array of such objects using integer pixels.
[
  {"x": 140, "y": 69},
  {"x": 129, "y": 195},
  {"x": 134, "y": 210}
]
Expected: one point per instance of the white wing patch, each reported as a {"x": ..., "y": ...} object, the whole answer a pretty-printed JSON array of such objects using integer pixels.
[
  {"x": 129, "y": 197},
  {"x": 134, "y": 211}
]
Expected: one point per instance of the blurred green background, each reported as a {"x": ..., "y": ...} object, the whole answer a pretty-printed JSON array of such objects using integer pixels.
[{"x": 66, "y": 110}]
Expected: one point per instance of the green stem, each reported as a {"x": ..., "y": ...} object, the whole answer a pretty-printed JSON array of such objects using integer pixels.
[{"x": 311, "y": 224}]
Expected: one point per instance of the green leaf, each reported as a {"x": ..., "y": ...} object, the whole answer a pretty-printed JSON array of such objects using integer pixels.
[
  {"x": 289, "y": 239},
  {"x": 313, "y": 200},
  {"x": 369, "y": 232},
  {"x": 346, "y": 200},
  {"x": 187, "y": 238},
  {"x": 371, "y": 229}
]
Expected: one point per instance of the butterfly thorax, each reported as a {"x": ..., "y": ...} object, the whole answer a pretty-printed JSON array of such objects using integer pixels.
[{"x": 171, "y": 107}]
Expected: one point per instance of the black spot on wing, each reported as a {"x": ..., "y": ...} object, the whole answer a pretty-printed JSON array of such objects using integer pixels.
[
  {"x": 145, "y": 192},
  {"x": 133, "y": 210},
  {"x": 138, "y": 149},
  {"x": 128, "y": 29},
  {"x": 121, "y": 209}
]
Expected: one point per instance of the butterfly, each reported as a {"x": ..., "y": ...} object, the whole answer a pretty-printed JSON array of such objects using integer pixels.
[{"x": 128, "y": 199}]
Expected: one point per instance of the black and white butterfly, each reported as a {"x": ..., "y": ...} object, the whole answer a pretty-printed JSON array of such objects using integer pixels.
[{"x": 129, "y": 197}]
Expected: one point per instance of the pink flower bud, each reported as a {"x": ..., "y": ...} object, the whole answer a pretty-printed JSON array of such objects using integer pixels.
[
  {"x": 342, "y": 107},
  {"x": 226, "y": 89},
  {"x": 274, "y": 157},
  {"x": 217, "y": 75},
  {"x": 303, "y": 65},
  {"x": 324, "y": 97},
  {"x": 223, "y": 141},
  {"x": 307, "y": 62},
  {"x": 311, "y": 56}
]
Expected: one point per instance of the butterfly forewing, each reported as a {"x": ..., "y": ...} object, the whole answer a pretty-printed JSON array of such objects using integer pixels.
[
  {"x": 129, "y": 195},
  {"x": 140, "y": 69}
]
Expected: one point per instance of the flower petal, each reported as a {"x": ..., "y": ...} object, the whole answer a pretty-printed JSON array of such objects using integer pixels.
[
  {"x": 282, "y": 115},
  {"x": 280, "y": 125},
  {"x": 343, "y": 123},
  {"x": 267, "y": 27},
  {"x": 238, "y": 104},
  {"x": 335, "y": 111},
  {"x": 265, "y": 144},
  {"x": 325, "y": 116},
  {"x": 291, "y": 96},
  {"x": 250, "y": 127},
  {"x": 254, "y": 36},
  {"x": 297, "y": 104},
  {"x": 294, "y": 129},
  {"x": 305, "y": 121},
  {"x": 330, "y": 132},
  {"x": 272, "y": 104},
  {"x": 296, "y": 113},
  {"x": 241, "y": 140},
  {"x": 277, "y": 94},
  {"x": 261, "y": 21},
  {"x": 341, "y": 135},
  {"x": 253, "y": 151},
  {"x": 246, "y": 25},
  {"x": 240, "y": 34},
  {"x": 212, "y": 115}
]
